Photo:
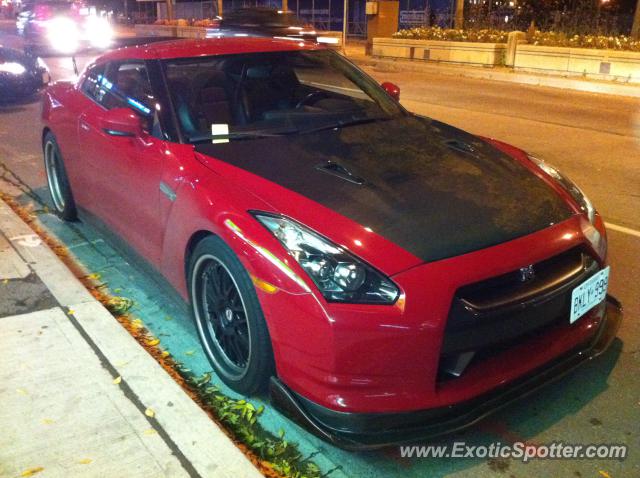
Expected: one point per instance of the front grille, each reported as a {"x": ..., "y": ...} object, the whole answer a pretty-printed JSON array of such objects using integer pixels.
[{"x": 502, "y": 311}]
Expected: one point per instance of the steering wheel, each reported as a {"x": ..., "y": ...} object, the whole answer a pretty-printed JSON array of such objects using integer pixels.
[{"x": 312, "y": 97}]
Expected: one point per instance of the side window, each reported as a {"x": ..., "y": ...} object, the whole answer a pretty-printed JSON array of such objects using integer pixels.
[
  {"x": 91, "y": 84},
  {"x": 127, "y": 85}
]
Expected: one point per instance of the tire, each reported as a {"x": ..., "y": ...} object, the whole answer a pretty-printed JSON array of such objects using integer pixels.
[
  {"x": 57, "y": 180},
  {"x": 228, "y": 317}
]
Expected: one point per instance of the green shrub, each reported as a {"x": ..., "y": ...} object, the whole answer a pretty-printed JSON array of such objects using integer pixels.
[
  {"x": 450, "y": 34},
  {"x": 619, "y": 42}
]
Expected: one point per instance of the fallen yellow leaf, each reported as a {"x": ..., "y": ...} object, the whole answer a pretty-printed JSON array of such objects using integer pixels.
[
  {"x": 22, "y": 391},
  {"x": 190, "y": 352},
  {"x": 137, "y": 323},
  {"x": 165, "y": 353},
  {"x": 117, "y": 380},
  {"x": 168, "y": 317},
  {"x": 604, "y": 474},
  {"x": 32, "y": 471},
  {"x": 150, "y": 413},
  {"x": 71, "y": 312},
  {"x": 48, "y": 421},
  {"x": 85, "y": 461},
  {"x": 150, "y": 431},
  {"x": 153, "y": 342}
]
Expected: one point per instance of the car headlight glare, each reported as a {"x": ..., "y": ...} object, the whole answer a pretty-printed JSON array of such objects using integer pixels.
[
  {"x": 63, "y": 34},
  {"x": 12, "y": 68},
  {"x": 99, "y": 32},
  {"x": 574, "y": 191},
  {"x": 340, "y": 276}
]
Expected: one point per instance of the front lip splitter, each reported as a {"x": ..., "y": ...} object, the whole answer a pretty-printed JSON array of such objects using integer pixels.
[{"x": 365, "y": 431}]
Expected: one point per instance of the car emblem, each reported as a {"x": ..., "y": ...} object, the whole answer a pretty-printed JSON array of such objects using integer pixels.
[{"x": 527, "y": 273}]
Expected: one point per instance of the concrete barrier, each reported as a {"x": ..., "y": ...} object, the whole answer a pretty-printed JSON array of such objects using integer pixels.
[
  {"x": 487, "y": 54},
  {"x": 155, "y": 30},
  {"x": 613, "y": 65},
  {"x": 603, "y": 64}
]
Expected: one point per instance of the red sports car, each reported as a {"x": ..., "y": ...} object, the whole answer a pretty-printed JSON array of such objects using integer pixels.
[{"x": 390, "y": 277}]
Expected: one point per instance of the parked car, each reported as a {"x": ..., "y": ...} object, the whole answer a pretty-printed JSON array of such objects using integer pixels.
[
  {"x": 266, "y": 22},
  {"x": 388, "y": 276},
  {"x": 61, "y": 26},
  {"x": 21, "y": 75}
]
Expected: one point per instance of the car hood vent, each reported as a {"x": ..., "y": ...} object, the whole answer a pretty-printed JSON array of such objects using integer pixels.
[
  {"x": 460, "y": 146},
  {"x": 340, "y": 171}
]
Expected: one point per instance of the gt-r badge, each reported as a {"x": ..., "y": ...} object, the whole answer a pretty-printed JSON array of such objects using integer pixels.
[{"x": 527, "y": 273}]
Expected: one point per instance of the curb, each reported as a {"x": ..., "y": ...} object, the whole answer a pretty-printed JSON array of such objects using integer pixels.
[
  {"x": 204, "y": 449},
  {"x": 509, "y": 76}
]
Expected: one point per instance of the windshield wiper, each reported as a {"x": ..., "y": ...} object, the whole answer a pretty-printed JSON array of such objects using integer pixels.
[
  {"x": 344, "y": 123},
  {"x": 241, "y": 135}
]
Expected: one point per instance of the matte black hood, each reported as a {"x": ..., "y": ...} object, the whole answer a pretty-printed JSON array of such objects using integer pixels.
[{"x": 432, "y": 189}]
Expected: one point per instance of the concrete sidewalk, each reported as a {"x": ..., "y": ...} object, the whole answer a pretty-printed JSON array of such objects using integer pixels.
[{"x": 80, "y": 397}]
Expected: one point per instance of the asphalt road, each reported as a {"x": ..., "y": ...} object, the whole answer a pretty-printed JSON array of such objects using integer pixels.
[{"x": 595, "y": 139}]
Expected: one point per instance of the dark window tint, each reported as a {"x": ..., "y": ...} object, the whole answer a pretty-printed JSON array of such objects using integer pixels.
[
  {"x": 126, "y": 85},
  {"x": 256, "y": 17},
  {"x": 292, "y": 90},
  {"x": 91, "y": 84}
]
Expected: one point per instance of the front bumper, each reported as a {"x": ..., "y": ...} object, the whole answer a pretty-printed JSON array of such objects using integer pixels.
[{"x": 361, "y": 431}]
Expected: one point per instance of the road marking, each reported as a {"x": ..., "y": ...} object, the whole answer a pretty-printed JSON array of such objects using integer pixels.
[{"x": 625, "y": 230}]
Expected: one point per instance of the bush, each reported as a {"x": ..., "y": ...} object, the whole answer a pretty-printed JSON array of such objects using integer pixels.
[
  {"x": 450, "y": 34},
  {"x": 619, "y": 42}
]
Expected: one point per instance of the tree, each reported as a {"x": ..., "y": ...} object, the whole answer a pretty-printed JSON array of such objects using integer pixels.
[
  {"x": 170, "y": 9},
  {"x": 459, "y": 18},
  {"x": 635, "y": 29}
]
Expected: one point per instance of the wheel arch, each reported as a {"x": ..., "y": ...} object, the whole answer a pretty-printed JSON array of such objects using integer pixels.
[
  {"x": 45, "y": 131},
  {"x": 193, "y": 241}
]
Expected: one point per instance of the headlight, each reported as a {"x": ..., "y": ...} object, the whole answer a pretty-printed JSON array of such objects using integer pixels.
[
  {"x": 99, "y": 32},
  {"x": 340, "y": 276},
  {"x": 63, "y": 35},
  {"x": 13, "y": 68},
  {"x": 576, "y": 193}
]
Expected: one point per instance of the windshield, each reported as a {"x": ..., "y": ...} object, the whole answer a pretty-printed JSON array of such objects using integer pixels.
[{"x": 262, "y": 94}]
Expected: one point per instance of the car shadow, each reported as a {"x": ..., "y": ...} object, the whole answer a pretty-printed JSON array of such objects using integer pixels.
[{"x": 18, "y": 104}]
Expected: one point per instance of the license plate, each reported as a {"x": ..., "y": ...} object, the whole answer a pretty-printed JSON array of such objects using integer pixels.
[{"x": 589, "y": 294}]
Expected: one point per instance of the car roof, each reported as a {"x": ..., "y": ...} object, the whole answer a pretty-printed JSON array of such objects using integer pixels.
[{"x": 205, "y": 47}]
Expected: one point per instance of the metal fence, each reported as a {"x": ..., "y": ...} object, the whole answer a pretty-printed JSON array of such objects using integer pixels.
[{"x": 190, "y": 10}]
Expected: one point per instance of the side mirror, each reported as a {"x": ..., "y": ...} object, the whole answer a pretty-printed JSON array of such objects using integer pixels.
[
  {"x": 392, "y": 90},
  {"x": 122, "y": 122}
]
